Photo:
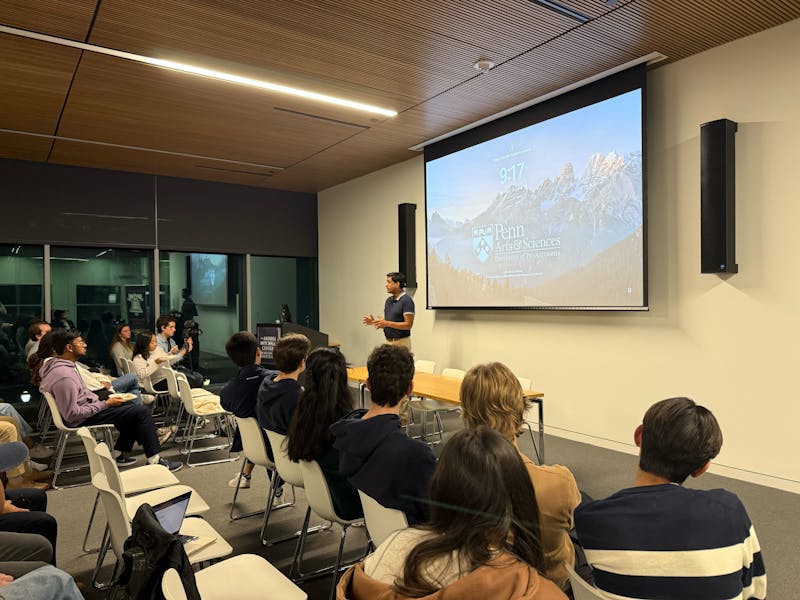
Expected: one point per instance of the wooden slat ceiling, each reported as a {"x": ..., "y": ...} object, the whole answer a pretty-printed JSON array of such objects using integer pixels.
[{"x": 75, "y": 107}]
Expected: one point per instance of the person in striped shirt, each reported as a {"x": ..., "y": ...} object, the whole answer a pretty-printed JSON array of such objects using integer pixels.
[{"x": 659, "y": 540}]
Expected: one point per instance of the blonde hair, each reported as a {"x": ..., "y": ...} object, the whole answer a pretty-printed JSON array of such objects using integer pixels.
[{"x": 491, "y": 395}]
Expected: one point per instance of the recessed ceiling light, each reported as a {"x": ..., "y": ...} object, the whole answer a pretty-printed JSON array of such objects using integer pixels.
[
  {"x": 202, "y": 72},
  {"x": 483, "y": 65}
]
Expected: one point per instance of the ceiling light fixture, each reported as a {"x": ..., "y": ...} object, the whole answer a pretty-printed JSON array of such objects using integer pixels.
[
  {"x": 563, "y": 10},
  {"x": 484, "y": 65},
  {"x": 202, "y": 72}
]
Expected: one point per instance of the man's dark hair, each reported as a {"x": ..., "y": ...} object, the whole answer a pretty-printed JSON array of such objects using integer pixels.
[
  {"x": 164, "y": 321},
  {"x": 678, "y": 437},
  {"x": 33, "y": 329},
  {"x": 241, "y": 348},
  {"x": 61, "y": 338},
  {"x": 186, "y": 292},
  {"x": 390, "y": 369},
  {"x": 397, "y": 277},
  {"x": 290, "y": 351}
]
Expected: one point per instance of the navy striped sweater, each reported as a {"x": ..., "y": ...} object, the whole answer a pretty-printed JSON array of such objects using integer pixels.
[{"x": 667, "y": 542}]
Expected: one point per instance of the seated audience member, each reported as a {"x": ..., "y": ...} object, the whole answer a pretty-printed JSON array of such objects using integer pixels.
[
  {"x": 61, "y": 320},
  {"x": 25, "y": 430},
  {"x": 44, "y": 582},
  {"x": 659, "y": 539},
  {"x": 491, "y": 395},
  {"x": 482, "y": 541},
  {"x": 165, "y": 328},
  {"x": 240, "y": 394},
  {"x": 325, "y": 399},
  {"x": 149, "y": 362},
  {"x": 26, "y": 474},
  {"x": 121, "y": 346},
  {"x": 374, "y": 452},
  {"x": 22, "y": 511},
  {"x": 278, "y": 394},
  {"x": 105, "y": 385},
  {"x": 80, "y": 406},
  {"x": 36, "y": 330}
]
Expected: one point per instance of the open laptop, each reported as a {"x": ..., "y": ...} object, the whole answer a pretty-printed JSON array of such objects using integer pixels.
[{"x": 170, "y": 514}]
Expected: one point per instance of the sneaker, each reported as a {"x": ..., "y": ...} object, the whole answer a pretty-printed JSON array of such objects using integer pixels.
[
  {"x": 125, "y": 461},
  {"x": 207, "y": 381},
  {"x": 172, "y": 465},
  {"x": 37, "y": 466},
  {"x": 243, "y": 484},
  {"x": 40, "y": 452},
  {"x": 279, "y": 491},
  {"x": 165, "y": 433}
]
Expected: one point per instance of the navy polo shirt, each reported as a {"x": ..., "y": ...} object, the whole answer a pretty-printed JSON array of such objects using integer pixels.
[{"x": 394, "y": 310}]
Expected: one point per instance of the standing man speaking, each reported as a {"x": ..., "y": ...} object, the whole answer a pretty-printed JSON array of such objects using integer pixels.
[{"x": 398, "y": 312}]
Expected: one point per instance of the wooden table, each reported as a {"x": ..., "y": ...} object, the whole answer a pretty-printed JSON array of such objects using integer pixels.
[{"x": 445, "y": 389}]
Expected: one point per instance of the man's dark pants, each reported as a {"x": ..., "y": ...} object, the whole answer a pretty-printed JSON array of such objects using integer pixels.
[{"x": 135, "y": 424}]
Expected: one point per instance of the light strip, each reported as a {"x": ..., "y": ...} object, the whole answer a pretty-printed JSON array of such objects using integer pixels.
[
  {"x": 651, "y": 58},
  {"x": 200, "y": 71}
]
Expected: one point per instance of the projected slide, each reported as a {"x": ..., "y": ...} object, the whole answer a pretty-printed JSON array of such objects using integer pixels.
[
  {"x": 210, "y": 279},
  {"x": 548, "y": 215}
]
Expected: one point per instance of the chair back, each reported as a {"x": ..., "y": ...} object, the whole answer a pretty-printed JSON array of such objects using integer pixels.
[
  {"x": 525, "y": 382},
  {"x": 185, "y": 395},
  {"x": 425, "y": 366},
  {"x": 318, "y": 494},
  {"x": 287, "y": 469},
  {"x": 119, "y": 524},
  {"x": 172, "y": 586},
  {"x": 129, "y": 368},
  {"x": 454, "y": 373},
  {"x": 381, "y": 521},
  {"x": 253, "y": 443},
  {"x": 122, "y": 365},
  {"x": 89, "y": 443},
  {"x": 57, "y": 420},
  {"x": 109, "y": 468},
  {"x": 581, "y": 590},
  {"x": 172, "y": 384}
]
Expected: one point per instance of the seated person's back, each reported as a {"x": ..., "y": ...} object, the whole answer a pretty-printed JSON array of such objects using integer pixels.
[
  {"x": 658, "y": 539},
  {"x": 325, "y": 399},
  {"x": 482, "y": 541},
  {"x": 491, "y": 395},
  {"x": 278, "y": 394},
  {"x": 374, "y": 452}
]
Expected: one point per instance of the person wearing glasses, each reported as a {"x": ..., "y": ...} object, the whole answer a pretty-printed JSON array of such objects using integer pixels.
[{"x": 80, "y": 406}]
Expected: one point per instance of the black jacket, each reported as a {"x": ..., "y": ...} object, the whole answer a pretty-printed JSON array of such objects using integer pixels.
[
  {"x": 276, "y": 403},
  {"x": 379, "y": 459},
  {"x": 240, "y": 394}
]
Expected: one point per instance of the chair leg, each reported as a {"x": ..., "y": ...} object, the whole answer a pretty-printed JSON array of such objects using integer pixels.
[
  {"x": 104, "y": 546},
  {"x": 533, "y": 441},
  {"x": 298, "y": 551},
  {"x": 62, "y": 444},
  {"x": 89, "y": 526},
  {"x": 338, "y": 562},
  {"x": 236, "y": 491}
]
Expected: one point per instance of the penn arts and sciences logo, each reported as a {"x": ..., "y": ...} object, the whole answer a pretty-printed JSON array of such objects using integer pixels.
[{"x": 482, "y": 242}]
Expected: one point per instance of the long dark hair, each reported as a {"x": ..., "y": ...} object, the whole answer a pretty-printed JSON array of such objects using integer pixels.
[
  {"x": 118, "y": 337},
  {"x": 481, "y": 501},
  {"x": 36, "y": 360},
  {"x": 142, "y": 346},
  {"x": 325, "y": 399}
]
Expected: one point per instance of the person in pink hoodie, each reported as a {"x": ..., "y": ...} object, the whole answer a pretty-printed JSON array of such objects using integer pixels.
[{"x": 80, "y": 406}]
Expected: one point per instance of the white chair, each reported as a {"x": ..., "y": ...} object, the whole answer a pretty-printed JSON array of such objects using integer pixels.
[
  {"x": 122, "y": 365},
  {"x": 194, "y": 420},
  {"x": 147, "y": 384},
  {"x": 64, "y": 434},
  {"x": 530, "y": 417},
  {"x": 319, "y": 500},
  {"x": 254, "y": 449},
  {"x": 428, "y": 405},
  {"x": 119, "y": 529},
  {"x": 244, "y": 577},
  {"x": 290, "y": 472},
  {"x": 581, "y": 590},
  {"x": 114, "y": 481},
  {"x": 134, "y": 481},
  {"x": 381, "y": 521},
  {"x": 425, "y": 366}
]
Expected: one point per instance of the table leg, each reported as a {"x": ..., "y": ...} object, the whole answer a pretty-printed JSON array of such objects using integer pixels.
[{"x": 540, "y": 402}]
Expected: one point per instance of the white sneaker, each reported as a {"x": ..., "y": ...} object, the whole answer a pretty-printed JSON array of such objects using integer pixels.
[
  {"x": 37, "y": 466},
  {"x": 243, "y": 484}
]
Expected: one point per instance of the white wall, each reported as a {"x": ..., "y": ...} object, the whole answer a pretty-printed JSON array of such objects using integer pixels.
[{"x": 728, "y": 342}]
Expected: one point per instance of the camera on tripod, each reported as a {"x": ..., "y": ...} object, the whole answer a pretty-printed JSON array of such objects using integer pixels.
[{"x": 191, "y": 329}]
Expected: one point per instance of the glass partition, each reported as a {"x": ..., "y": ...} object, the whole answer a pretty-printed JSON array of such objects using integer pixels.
[
  {"x": 95, "y": 289},
  {"x": 21, "y": 301},
  {"x": 275, "y": 281},
  {"x": 209, "y": 290}
]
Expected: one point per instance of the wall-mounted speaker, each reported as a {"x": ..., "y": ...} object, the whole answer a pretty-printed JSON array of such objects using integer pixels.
[
  {"x": 406, "y": 228},
  {"x": 718, "y": 197}
]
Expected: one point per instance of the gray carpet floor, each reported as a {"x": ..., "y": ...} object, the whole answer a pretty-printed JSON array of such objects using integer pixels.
[{"x": 599, "y": 472}]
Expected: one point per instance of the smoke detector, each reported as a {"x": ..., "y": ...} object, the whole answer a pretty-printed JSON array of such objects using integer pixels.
[{"x": 483, "y": 65}]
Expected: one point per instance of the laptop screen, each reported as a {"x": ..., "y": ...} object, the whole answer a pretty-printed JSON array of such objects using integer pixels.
[{"x": 171, "y": 512}]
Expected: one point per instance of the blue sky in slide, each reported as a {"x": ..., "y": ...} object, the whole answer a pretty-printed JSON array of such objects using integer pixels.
[{"x": 461, "y": 185}]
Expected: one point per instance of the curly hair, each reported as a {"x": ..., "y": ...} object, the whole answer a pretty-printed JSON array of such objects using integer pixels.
[{"x": 390, "y": 371}]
